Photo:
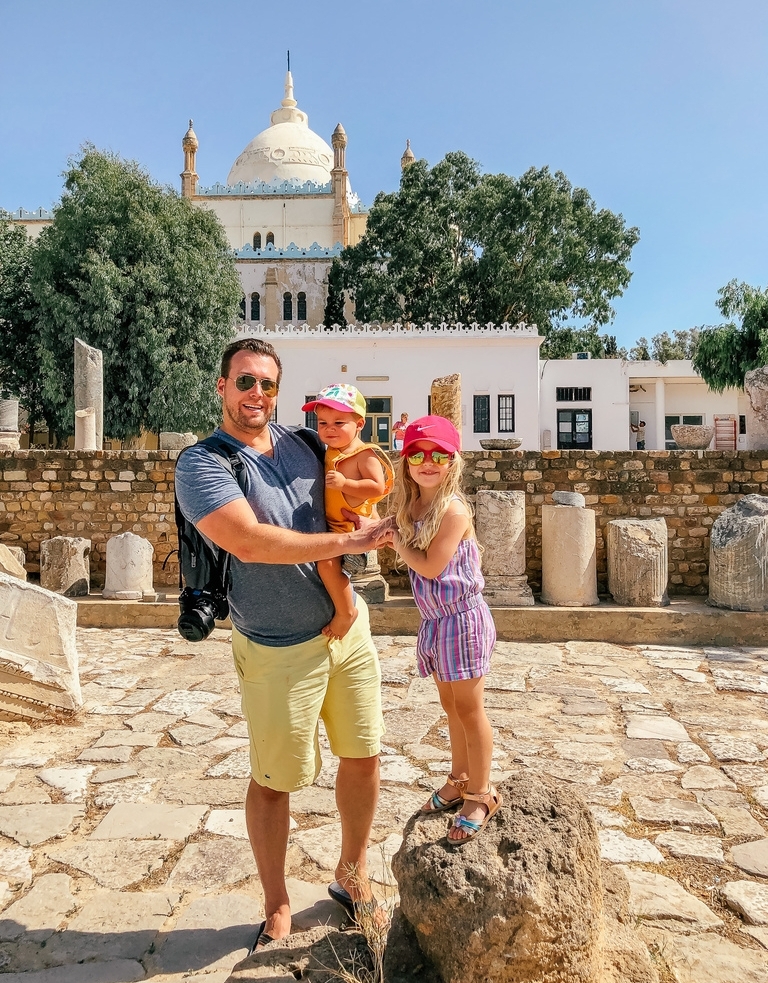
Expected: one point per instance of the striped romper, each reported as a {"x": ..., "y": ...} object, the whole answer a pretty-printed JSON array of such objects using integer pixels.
[{"x": 457, "y": 633}]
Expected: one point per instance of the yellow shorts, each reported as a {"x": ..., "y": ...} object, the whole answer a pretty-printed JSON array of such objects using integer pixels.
[{"x": 285, "y": 690}]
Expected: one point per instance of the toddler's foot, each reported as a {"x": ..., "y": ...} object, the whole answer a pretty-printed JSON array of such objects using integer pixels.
[{"x": 339, "y": 625}]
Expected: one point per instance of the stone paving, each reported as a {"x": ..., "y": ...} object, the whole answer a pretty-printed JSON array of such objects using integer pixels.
[{"x": 123, "y": 852}]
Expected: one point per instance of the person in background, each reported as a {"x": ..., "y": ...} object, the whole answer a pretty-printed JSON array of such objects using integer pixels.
[
  {"x": 398, "y": 431},
  {"x": 639, "y": 429}
]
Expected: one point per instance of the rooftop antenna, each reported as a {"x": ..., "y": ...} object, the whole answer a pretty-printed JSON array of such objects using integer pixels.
[{"x": 289, "y": 61}]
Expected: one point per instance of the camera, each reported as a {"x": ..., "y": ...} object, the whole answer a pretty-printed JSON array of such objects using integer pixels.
[{"x": 201, "y": 608}]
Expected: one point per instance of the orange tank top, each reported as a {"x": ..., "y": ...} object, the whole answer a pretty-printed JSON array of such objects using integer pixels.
[{"x": 334, "y": 497}]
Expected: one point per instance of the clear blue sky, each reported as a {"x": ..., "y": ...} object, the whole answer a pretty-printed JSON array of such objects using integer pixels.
[{"x": 657, "y": 107}]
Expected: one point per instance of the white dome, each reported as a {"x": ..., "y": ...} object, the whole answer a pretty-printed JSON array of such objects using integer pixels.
[{"x": 286, "y": 150}]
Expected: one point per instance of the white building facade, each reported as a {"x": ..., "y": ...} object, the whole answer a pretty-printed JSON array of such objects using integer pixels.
[{"x": 506, "y": 390}]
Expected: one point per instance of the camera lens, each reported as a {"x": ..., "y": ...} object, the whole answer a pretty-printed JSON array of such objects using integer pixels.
[{"x": 196, "y": 624}]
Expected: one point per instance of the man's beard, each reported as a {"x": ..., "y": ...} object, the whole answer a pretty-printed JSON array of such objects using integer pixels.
[{"x": 243, "y": 421}]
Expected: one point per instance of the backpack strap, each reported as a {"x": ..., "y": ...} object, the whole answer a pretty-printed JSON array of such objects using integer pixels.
[{"x": 235, "y": 465}]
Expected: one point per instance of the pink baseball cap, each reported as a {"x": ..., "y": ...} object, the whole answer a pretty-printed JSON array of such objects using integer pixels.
[{"x": 436, "y": 429}]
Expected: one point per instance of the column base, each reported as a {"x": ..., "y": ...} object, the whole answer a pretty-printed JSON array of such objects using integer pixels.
[{"x": 508, "y": 591}]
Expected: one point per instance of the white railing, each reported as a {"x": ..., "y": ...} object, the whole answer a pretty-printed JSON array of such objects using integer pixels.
[{"x": 415, "y": 331}]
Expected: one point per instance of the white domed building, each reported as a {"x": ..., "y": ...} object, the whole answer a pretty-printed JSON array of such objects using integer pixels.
[{"x": 288, "y": 210}]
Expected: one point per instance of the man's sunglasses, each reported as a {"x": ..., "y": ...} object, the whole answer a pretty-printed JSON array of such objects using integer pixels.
[
  {"x": 246, "y": 382},
  {"x": 440, "y": 458}
]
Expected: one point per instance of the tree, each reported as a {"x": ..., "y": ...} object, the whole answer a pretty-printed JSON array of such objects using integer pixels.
[
  {"x": 20, "y": 371},
  {"x": 140, "y": 273},
  {"x": 725, "y": 352},
  {"x": 564, "y": 342},
  {"x": 548, "y": 253},
  {"x": 457, "y": 246},
  {"x": 416, "y": 262},
  {"x": 334, "y": 305}
]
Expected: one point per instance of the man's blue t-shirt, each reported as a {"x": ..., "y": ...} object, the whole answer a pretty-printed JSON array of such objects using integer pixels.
[{"x": 272, "y": 604}]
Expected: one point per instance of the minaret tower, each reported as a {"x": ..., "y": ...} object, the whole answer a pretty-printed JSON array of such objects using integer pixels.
[
  {"x": 408, "y": 156},
  {"x": 339, "y": 184},
  {"x": 189, "y": 176}
]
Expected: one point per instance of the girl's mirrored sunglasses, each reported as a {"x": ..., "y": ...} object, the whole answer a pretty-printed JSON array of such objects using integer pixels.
[
  {"x": 245, "y": 382},
  {"x": 440, "y": 458}
]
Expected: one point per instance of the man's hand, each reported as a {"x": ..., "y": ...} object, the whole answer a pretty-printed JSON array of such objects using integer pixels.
[
  {"x": 335, "y": 479},
  {"x": 370, "y": 534}
]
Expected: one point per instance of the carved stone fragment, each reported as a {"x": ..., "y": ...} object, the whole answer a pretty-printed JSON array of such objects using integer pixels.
[
  {"x": 500, "y": 517},
  {"x": 738, "y": 556},
  {"x": 446, "y": 398},
  {"x": 38, "y": 657},
  {"x": 568, "y": 556},
  {"x": 65, "y": 566},
  {"x": 129, "y": 567}
]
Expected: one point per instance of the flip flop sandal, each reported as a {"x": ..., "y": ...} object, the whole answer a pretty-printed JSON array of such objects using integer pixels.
[
  {"x": 353, "y": 909},
  {"x": 261, "y": 940},
  {"x": 491, "y": 799},
  {"x": 438, "y": 804}
]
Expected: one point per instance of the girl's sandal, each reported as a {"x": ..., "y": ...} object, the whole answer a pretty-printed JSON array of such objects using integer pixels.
[
  {"x": 491, "y": 799},
  {"x": 438, "y": 804}
]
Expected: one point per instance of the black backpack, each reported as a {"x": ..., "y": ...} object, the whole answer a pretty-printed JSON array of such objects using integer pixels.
[{"x": 204, "y": 574}]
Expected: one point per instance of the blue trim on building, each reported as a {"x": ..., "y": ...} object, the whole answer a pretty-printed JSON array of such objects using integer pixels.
[
  {"x": 292, "y": 252},
  {"x": 289, "y": 187}
]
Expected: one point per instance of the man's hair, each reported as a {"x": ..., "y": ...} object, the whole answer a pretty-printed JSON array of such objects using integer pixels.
[{"x": 255, "y": 345}]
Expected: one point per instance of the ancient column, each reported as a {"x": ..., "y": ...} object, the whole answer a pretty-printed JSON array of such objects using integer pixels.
[
  {"x": 756, "y": 388},
  {"x": 446, "y": 398},
  {"x": 638, "y": 569},
  {"x": 500, "y": 520},
  {"x": 85, "y": 430},
  {"x": 129, "y": 567},
  {"x": 89, "y": 385},
  {"x": 364, "y": 571},
  {"x": 38, "y": 656},
  {"x": 9, "y": 425},
  {"x": 738, "y": 556},
  {"x": 568, "y": 552},
  {"x": 65, "y": 566}
]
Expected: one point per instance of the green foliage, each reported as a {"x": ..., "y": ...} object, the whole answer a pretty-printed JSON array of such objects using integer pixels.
[
  {"x": 547, "y": 252},
  {"x": 416, "y": 263},
  {"x": 457, "y": 246},
  {"x": 726, "y": 352},
  {"x": 663, "y": 347},
  {"x": 138, "y": 272},
  {"x": 564, "y": 342},
  {"x": 20, "y": 371},
  {"x": 334, "y": 305}
]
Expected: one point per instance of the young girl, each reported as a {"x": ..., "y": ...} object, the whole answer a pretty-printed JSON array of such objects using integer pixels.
[{"x": 435, "y": 538}]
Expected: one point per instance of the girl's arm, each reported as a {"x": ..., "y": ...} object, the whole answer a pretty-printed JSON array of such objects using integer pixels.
[{"x": 442, "y": 548}]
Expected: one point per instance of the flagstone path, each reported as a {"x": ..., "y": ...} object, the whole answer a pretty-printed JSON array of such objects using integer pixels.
[{"x": 123, "y": 850}]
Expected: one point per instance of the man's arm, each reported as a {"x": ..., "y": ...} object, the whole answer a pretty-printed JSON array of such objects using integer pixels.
[{"x": 236, "y": 529}]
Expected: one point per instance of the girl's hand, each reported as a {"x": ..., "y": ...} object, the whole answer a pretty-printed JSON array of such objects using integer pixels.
[{"x": 335, "y": 479}]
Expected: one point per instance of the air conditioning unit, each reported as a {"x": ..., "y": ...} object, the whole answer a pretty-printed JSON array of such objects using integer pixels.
[{"x": 581, "y": 355}]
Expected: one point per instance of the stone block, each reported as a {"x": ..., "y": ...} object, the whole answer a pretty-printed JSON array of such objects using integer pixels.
[
  {"x": 65, "y": 566},
  {"x": 10, "y": 565},
  {"x": 446, "y": 398},
  {"x": 176, "y": 441},
  {"x": 738, "y": 556},
  {"x": 500, "y": 518},
  {"x": 89, "y": 386},
  {"x": 756, "y": 389},
  {"x": 129, "y": 567},
  {"x": 38, "y": 656},
  {"x": 637, "y": 562}
]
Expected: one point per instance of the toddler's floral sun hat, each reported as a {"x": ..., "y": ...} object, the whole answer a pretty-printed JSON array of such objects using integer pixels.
[{"x": 345, "y": 399}]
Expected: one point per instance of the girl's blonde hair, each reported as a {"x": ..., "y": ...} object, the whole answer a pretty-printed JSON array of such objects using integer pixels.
[{"x": 406, "y": 493}]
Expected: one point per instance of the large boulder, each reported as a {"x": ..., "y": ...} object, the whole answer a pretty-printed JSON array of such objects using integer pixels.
[{"x": 522, "y": 902}]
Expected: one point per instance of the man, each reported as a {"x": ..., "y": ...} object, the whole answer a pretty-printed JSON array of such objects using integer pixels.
[
  {"x": 639, "y": 430},
  {"x": 290, "y": 674},
  {"x": 398, "y": 432}
]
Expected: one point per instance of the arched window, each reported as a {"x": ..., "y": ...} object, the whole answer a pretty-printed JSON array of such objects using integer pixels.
[
  {"x": 270, "y": 238},
  {"x": 257, "y": 240},
  {"x": 255, "y": 307},
  {"x": 287, "y": 307},
  {"x": 301, "y": 307},
  {"x": 242, "y": 307}
]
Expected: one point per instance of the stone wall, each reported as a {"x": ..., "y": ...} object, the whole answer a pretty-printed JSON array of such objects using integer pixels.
[
  {"x": 101, "y": 494},
  {"x": 689, "y": 489},
  {"x": 96, "y": 495}
]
